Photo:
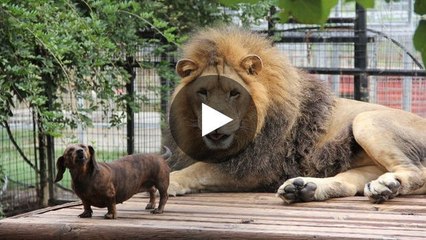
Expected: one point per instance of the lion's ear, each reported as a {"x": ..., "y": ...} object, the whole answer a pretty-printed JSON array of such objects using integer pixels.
[
  {"x": 252, "y": 64},
  {"x": 185, "y": 66}
]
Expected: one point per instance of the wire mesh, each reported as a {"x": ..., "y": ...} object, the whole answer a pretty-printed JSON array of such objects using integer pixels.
[
  {"x": 18, "y": 179},
  {"x": 148, "y": 118},
  {"x": 332, "y": 48}
]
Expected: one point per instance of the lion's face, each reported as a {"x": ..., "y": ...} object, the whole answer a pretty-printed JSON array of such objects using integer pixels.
[
  {"x": 227, "y": 94},
  {"x": 224, "y": 89}
]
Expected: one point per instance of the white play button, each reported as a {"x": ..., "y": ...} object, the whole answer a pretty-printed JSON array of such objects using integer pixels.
[
  {"x": 211, "y": 119},
  {"x": 193, "y": 129}
]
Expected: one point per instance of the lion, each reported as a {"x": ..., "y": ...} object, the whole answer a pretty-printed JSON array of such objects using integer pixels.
[{"x": 309, "y": 145}]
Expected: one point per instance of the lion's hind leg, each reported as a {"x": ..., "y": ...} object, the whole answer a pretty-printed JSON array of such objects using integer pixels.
[
  {"x": 396, "y": 141},
  {"x": 345, "y": 184}
]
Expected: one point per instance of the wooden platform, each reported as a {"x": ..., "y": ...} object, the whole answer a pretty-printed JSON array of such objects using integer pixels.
[{"x": 229, "y": 216}]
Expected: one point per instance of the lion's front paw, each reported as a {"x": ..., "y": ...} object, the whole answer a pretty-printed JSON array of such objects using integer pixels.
[
  {"x": 384, "y": 188},
  {"x": 297, "y": 190},
  {"x": 175, "y": 189}
]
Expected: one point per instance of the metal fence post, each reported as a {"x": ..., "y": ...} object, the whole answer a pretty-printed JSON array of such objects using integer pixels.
[
  {"x": 165, "y": 88},
  {"x": 130, "y": 91},
  {"x": 164, "y": 93},
  {"x": 360, "y": 54}
]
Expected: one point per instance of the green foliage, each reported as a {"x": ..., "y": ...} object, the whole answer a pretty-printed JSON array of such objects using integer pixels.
[
  {"x": 66, "y": 50},
  {"x": 304, "y": 11},
  {"x": 314, "y": 11},
  {"x": 419, "y": 39},
  {"x": 364, "y": 3},
  {"x": 71, "y": 51},
  {"x": 249, "y": 11},
  {"x": 420, "y": 7},
  {"x": 232, "y": 3}
]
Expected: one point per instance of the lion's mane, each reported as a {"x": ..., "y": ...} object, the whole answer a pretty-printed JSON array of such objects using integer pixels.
[{"x": 293, "y": 110}]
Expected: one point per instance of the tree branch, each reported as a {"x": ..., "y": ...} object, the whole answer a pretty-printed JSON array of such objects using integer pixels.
[{"x": 12, "y": 139}]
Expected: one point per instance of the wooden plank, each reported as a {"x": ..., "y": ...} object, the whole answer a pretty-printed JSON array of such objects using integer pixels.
[
  {"x": 162, "y": 229},
  {"x": 354, "y": 225},
  {"x": 48, "y": 209},
  {"x": 229, "y": 216}
]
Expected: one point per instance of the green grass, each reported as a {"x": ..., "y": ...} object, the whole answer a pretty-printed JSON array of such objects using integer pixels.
[
  {"x": 11, "y": 162},
  {"x": 19, "y": 171}
]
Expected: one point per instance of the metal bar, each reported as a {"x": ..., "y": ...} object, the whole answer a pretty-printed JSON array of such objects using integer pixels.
[
  {"x": 368, "y": 71},
  {"x": 407, "y": 89},
  {"x": 130, "y": 89},
  {"x": 344, "y": 71},
  {"x": 319, "y": 39},
  {"x": 330, "y": 20},
  {"x": 360, "y": 54}
]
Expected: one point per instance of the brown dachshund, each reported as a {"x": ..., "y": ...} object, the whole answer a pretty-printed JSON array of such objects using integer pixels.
[{"x": 106, "y": 184}]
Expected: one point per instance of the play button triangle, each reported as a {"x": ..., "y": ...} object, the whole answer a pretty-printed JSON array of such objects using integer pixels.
[
  {"x": 190, "y": 127},
  {"x": 212, "y": 119}
]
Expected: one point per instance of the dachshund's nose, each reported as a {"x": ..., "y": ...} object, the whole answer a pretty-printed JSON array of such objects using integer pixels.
[{"x": 80, "y": 153}]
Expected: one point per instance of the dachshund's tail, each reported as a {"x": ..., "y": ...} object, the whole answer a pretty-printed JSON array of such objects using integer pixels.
[{"x": 167, "y": 154}]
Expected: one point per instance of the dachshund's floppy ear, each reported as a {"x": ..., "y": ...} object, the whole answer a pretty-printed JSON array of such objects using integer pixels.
[
  {"x": 92, "y": 159},
  {"x": 60, "y": 166}
]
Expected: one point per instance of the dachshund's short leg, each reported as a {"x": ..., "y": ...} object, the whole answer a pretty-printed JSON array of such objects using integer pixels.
[
  {"x": 164, "y": 196},
  {"x": 112, "y": 212},
  {"x": 87, "y": 211},
  {"x": 151, "y": 204}
]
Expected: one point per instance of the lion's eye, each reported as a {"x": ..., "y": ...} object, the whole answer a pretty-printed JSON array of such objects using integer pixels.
[
  {"x": 202, "y": 92},
  {"x": 234, "y": 93}
]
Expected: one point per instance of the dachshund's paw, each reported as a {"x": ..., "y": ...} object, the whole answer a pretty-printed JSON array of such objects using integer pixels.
[
  {"x": 150, "y": 206},
  {"x": 86, "y": 214},
  {"x": 156, "y": 211},
  {"x": 110, "y": 216},
  {"x": 175, "y": 189},
  {"x": 384, "y": 188},
  {"x": 297, "y": 190}
]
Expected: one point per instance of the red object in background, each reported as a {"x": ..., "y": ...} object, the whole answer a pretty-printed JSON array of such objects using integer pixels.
[{"x": 389, "y": 92}]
